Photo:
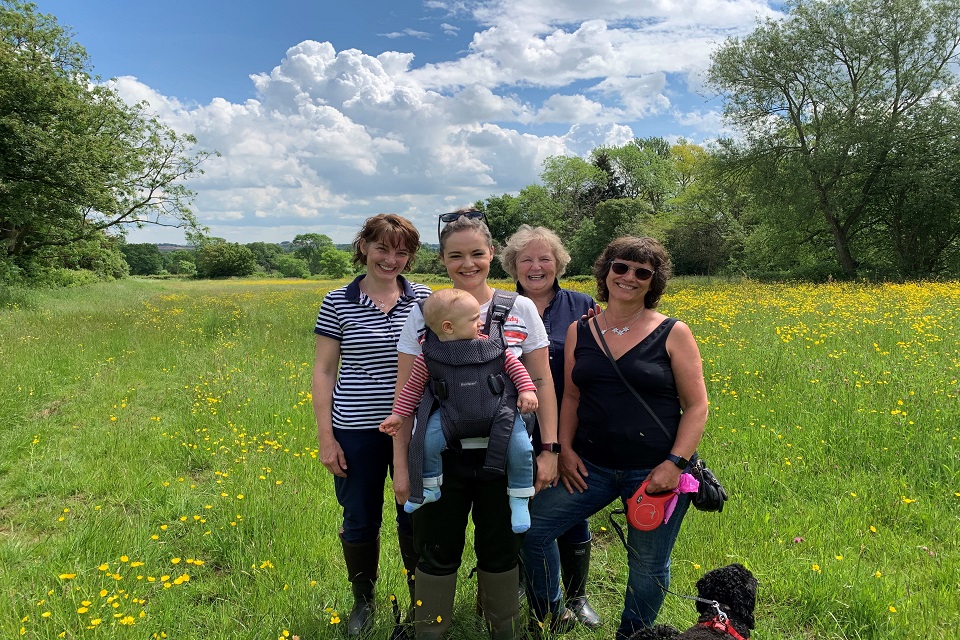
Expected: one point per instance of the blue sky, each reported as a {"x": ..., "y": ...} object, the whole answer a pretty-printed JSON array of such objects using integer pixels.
[{"x": 328, "y": 112}]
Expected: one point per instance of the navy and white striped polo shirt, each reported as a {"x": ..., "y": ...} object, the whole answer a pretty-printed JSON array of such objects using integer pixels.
[{"x": 363, "y": 396}]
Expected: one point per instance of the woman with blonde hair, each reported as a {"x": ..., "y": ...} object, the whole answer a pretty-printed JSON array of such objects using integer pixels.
[{"x": 536, "y": 259}]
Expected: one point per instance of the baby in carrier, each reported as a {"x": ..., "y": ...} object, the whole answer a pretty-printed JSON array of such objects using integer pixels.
[{"x": 463, "y": 369}]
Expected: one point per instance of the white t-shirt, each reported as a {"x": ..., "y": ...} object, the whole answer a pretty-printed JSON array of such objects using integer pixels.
[{"x": 523, "y": 328}]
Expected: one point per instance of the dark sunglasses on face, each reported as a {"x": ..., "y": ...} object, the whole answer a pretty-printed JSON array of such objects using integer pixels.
[
  {"x": 446, "y": 218},
  {"x": 620, "y": 268}
]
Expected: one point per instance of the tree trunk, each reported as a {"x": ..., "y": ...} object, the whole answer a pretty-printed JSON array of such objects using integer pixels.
[{"x": 841, "y": 241}]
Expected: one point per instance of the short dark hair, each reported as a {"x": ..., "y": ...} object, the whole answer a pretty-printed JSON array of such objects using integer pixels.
[
  {"x": 635, "y": 250},
  {"x": 390, "y": 229}
]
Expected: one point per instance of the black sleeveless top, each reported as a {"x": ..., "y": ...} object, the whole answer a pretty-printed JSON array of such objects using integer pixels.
[{"x": 615, "y": 431}]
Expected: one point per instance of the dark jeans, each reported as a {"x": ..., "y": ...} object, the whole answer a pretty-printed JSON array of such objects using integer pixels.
[
  {"x": 440, "y": 527},
  {"x": 554, "y": 510},
  {"x": 369, "y": 455},
  {"x": 578, "y": 533}
]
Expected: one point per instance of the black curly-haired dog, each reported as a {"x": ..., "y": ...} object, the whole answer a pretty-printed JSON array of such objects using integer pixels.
[{"x": 727, "y": 598}]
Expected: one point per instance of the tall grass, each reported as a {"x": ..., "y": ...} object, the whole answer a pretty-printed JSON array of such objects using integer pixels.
[{"x": 158, "y": 471}]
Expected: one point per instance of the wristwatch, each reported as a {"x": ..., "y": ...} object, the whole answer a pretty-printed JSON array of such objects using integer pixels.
[
  {"x": 682, "y": 463},
  {"x": 552, "y": 447}
]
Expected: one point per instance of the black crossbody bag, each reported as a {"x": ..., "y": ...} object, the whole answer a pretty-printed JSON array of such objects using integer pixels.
[{"x": 711, "y": 495}]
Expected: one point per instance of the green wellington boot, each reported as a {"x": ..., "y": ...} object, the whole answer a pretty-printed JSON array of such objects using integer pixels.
[{"x": 434, "y": 602}]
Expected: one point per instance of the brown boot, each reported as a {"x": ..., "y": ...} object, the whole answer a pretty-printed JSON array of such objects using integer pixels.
[{"x": 361, "y": 559}]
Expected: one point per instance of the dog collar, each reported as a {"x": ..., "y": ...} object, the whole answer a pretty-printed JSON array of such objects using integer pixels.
[{"x": 721, "y": 624}]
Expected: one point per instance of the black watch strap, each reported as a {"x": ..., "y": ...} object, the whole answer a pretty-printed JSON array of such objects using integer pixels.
[{"x": 682, "y": 463}]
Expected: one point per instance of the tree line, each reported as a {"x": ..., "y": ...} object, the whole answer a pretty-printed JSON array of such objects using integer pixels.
[
  {"x": 844, "y": 162},
  {"x": 307, "y": 255}
]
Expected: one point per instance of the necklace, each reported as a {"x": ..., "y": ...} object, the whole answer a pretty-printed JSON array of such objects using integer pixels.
[
  {"x": 621, "y": 330},
  {"x": 380, "y": 302}
]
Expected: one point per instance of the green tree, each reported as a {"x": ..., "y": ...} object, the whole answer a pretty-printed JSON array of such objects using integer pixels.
[
  {"x": 310, "y": 247},
  {"x": 186, "y": 268},
  {"x": 267, "y": 254},
  {"x": 613, "y": 218},
  {"x": 174, "y": 261},
  {"x": 291, "y": 266},
  {"x": 919, "y": 208},
  {"x": 687, "y": 160},
  {"x": 706, "y": 224},
  {"x": 99, "y": 254},
  {"x": 144, "y": 258},
  {"x": 334, "y": 263},
  {"x": 428, "y": 261},
  {"x": 574, "y": 183},
  {"x": 645, "y": 169},
  {"x": 831, "y": 101},
  {"x": 75, "y": 160},
  {"x": 533, "y": 206},
  {"x": 225, "y": 259}
]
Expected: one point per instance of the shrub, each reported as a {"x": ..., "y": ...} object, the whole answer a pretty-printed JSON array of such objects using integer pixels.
[
  {"x": 291, "y": 266},
  {"x": 223, "y": 260}
]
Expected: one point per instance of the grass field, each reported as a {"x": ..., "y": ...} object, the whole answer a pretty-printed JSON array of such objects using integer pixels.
[{"x": 159, "y": 474}]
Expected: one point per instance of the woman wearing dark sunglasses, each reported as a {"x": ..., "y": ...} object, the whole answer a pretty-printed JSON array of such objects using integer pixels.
[
  {"x": 466, "y": 250},
  {"x": 609, "y": 441}
]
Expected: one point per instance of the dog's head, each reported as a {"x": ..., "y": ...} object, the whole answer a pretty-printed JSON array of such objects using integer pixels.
[
  {"x": 658, "y": 632},
  {"x": 734, "y": 587}
]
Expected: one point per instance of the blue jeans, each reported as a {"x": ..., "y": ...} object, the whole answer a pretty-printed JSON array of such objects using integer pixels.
[
  {"x": 519, "y": 456},
  {"x": 554, "y": 510},
  {"x": 369, "y": 455}
]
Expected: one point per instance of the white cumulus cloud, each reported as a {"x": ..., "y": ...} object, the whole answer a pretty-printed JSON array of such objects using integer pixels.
[{"x": 335, "y": 136}]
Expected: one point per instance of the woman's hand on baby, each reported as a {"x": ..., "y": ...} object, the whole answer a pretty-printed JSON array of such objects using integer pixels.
[
  {"x": 527, "y": 401},
  {"x": 391, "y": 424}
]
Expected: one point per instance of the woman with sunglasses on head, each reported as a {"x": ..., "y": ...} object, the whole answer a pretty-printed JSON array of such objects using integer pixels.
[
  {"x": 609, "y": 442},
  {"x": 353, "y": 385},
  {"x": 466, "y": 250},
  {"x": 536, "y": 258}
]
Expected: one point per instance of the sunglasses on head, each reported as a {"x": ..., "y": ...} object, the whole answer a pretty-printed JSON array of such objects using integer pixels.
[
  {"x": 620, "y": 268},
  {"x": 446, "y": 218}
]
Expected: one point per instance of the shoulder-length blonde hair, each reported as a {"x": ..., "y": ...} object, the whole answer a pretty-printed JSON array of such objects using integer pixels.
[{"x": 524, "y": 237}]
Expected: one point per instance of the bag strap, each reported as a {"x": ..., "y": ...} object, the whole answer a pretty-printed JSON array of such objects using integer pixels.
[
  {"x": 606, "y": 350},
  {"x": 500, "y": 307}
]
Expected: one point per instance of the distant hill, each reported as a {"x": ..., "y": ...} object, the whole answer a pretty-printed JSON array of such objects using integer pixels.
[{"x": 166, "y": 248}]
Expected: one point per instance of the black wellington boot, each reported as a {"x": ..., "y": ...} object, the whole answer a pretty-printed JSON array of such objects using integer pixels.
[
  {"x": 574, "y": 567},
  {"x": 410, "y": 559},
  {"x": 362, "y": 559}
]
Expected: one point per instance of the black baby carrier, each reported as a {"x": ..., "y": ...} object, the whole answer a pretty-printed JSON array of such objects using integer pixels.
[{"x": 475, "y": 397}]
